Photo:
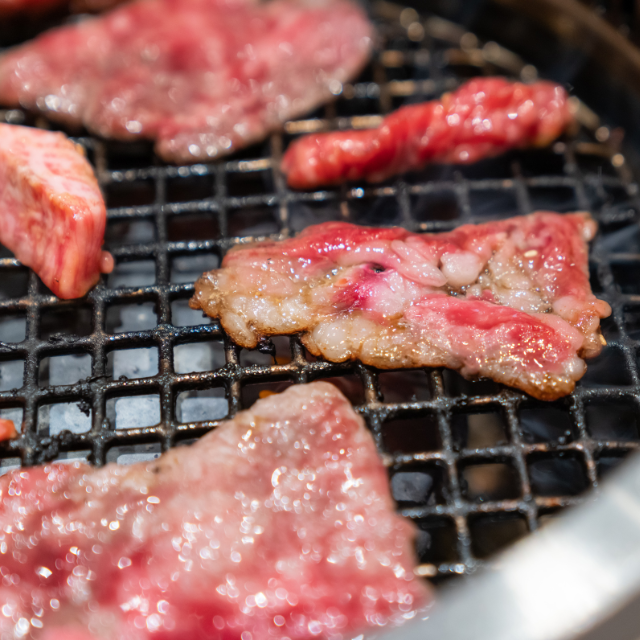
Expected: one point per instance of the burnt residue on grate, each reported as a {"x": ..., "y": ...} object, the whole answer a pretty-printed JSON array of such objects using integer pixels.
[{"x": 130, "y": 370}]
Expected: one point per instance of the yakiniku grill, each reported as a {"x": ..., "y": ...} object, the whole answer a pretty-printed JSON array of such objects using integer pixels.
[{"x": 130, "y": 371}]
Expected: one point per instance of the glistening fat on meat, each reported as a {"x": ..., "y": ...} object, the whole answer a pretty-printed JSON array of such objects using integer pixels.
[
  {"x": 278, "y": 524},
  {"x": 202, "y": 78},
  {"x": 508, "y": 300},
  {"x": 52, "y": 214},
  {"x": 484, "y": 117}
]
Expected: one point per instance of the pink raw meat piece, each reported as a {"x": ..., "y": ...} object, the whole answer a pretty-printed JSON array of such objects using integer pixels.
[
  {"x": 52, "y": 213},
  {"x": 482, "y": 118},
  {"x": 7, "y": 429},
  {"x": 508, "y": 300},
  {"x": 278, "y": 524},
  {"x": 202, "y": 78}
]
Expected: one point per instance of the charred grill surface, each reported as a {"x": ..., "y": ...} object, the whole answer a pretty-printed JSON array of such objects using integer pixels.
[{"x": 129, "y": 371}]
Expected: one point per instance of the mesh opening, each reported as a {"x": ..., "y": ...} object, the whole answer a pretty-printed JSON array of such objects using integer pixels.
[{"x": 494, "y": 532}]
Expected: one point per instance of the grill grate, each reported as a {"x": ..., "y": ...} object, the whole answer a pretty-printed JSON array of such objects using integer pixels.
[{"x": 132, "y": 371}]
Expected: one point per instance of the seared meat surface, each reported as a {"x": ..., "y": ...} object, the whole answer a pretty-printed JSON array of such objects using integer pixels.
[
  {"x": 484, "y": 117},
  {"x": 508, "y": 300},
  {"x": 278, "y": 524},
  {"x": 202, "y": 78},
  {"x": 52, "y": 214}
]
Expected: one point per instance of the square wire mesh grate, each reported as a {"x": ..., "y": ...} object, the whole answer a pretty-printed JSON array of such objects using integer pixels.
[{"x": 130, "y": 371}]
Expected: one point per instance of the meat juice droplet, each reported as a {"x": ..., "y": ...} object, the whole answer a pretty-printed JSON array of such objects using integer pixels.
[{"x": 107, "y": 262}]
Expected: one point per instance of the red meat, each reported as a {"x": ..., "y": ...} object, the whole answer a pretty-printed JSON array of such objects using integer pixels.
[
  {"x": 202, "y": 77},
  {"x": 278, "y": 524},
  {"x": 7, "y": 429},
  {"x": 508, "y": 300},
  {"x": 484, "y": 117},
  {"x": 52, "y": 215}
]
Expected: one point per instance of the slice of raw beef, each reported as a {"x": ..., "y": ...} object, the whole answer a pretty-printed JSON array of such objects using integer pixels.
[
  {"x": 52, "y": 214},
  {"x": 278, "y": 524},
  {"x": 508, "y": 300},
  {"x": 202, "y": 78},
  {"x": 484, "y": 117}
]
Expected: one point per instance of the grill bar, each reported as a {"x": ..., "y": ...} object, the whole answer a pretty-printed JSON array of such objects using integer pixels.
[{"x": 474, "y": 464}]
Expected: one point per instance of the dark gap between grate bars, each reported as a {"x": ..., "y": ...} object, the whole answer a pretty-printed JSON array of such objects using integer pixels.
[{"x": 475, "y": 465}]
